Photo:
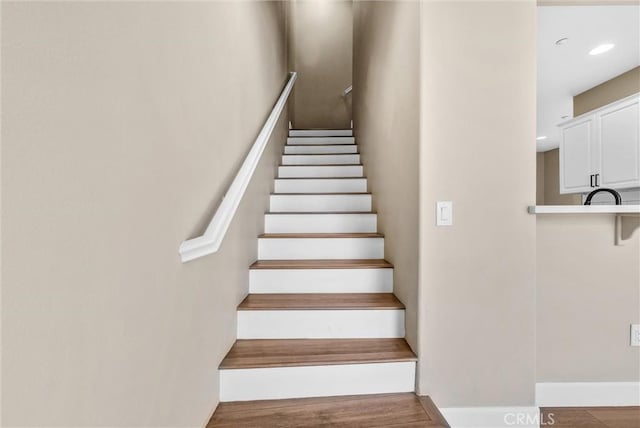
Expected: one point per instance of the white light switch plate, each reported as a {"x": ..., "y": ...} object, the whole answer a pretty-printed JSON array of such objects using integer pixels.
[
  {"x": 444, "y": 213},
  {"x": 635, "y": 334}
]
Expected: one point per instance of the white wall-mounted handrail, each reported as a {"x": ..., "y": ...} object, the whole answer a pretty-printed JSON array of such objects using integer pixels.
[
  {"x": 347, "y": 91},
  {"x": 210, "y": 241}
]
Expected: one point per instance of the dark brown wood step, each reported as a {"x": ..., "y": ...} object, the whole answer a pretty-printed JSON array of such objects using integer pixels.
[
  {"x": 322, "y": 264},
  {"x": 326, "y": 164},
  {"x": 320, "y": 144},
  {"x": 404, "y": 410},
  {"x": 319, "y": 212},
  {"x": 320, "y": 178},
  {"x": 322, "y": 194},
  {"x": 257, "y": 353},
  {"x": 321, "y": 235},
  {"x": 320, "y": 301},
  {"x": 322, "y": 154}
]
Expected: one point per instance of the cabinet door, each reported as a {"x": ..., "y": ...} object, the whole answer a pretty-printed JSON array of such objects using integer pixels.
[
  {"x": 619, "y": 135},
  {"x": 575, "y": 156}
]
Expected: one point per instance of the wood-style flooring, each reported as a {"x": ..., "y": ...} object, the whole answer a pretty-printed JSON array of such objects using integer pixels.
[
  {"x": 357, "y": 411},
  {"x": 320, "y": 235},
  {"x": 590, "y": 417},
  {"x": 322, "y": 264},
  {"x": 255, "y": 353},
  {"x": 320, "y": 301}
]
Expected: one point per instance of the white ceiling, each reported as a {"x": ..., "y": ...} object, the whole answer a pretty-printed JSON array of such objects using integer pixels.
[{"x": 568, "y": 69}]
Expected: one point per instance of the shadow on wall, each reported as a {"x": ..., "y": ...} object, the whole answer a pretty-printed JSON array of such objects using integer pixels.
[
  {"x": 386, "y": 121},
  {"x": 320, "y": 50}
]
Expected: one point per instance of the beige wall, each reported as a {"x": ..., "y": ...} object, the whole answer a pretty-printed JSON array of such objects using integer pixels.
[
  {"x": 386, "y": 104},
  {"x": 121, "y": 130},
  {"x": 587, "y": 297},
  {"x": 612, "y": 90},
  {"x": 540, "y": 179},
  {"x": 548, "y": 181},
  {"x": 477, "y": 277},
  {"x": 320, "y": 34}
]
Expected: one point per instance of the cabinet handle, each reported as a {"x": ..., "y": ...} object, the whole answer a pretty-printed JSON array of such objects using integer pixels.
[
  {"x": 597, "y": 177},
  {"x": 591, "y": 180}
]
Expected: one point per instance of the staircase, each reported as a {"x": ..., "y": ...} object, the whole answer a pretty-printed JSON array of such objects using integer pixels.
[{"x": 321, "y": 318}]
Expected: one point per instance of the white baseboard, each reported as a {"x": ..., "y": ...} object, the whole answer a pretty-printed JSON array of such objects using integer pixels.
[
  {"x": 318, "y": 149},
  {"x": 287, "y": 202},
  {"x": 321, "y": 159},
  {"x": 320, "y": 185},
  {"x": 379, "y": 280},
  {"x": 316, "y": 381},
  {"x": 328, "y": 171},
  {"x": 320, "y": 223},
  {"x": 321, "y": 324},
  {"x": 492, "y": 417},
  {"x": 569, "y": 394},
  {"x": 367, "y": 247}
]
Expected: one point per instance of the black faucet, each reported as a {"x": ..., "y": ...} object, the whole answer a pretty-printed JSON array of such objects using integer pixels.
[{"x": 604, "y": 189}]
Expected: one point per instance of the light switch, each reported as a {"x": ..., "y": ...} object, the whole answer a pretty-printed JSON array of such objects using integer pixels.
[
  {"x": 635, "y": 334},
  {"x": 444, "y": 213}
]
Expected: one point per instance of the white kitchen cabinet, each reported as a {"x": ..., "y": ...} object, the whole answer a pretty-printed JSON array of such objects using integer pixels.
[
  {"x": 602, "y": 148},
  {"x": 575, "y": 156},
  {"x": 619, "y": 135}
]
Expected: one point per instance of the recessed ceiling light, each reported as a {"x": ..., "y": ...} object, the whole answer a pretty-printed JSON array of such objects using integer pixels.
[
  {"x": 562, "y": 41},
  {"x": 544, "y": 137},
  {"x": 601, "y": 49}
]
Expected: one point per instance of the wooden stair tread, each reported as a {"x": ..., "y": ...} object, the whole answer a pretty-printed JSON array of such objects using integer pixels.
[
  {"x": 320, "y": 143},
  {"x": 321, "y": 154},
  {"x": 321, "y": 178},
  {"x": 322, "y": 264},
  {"x": 320, "y": 301},
  {"x": 405, "y": 410},
  {"x": 321, "y": 235},
  {"x": 328, "y": 164},
  {"x": 319, "y": 212},
  {"x": 260, "y": 353},
  {"x": 322, "y": 194}
]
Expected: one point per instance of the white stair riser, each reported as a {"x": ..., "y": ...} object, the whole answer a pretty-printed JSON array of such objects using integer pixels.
[
  {"x": 320, "y": 140},
  {"x": 347, "y": 159},
  {"x": 320, "y": 171},
  {"x": 320, "y": 203},
  {"x": 301, "y": 150},
  {"x": 320, "y": 248},
  {"x": 320, "y": 132},
  {"x": 320, "y": 223},
  {"x": 266, "y": 281},
  {"x": 321, "y": 185},
  {"x": 321, "y": 324},
  {"x": 316, "y": 381}
]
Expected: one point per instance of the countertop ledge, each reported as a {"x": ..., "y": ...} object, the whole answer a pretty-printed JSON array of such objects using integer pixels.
[{"x": 584, "y": 209}]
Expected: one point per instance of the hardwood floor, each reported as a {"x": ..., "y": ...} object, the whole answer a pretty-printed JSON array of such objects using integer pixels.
[
  {"x": 591, "y": 417},
  {"x": 382, "y": 410},
  {"x": 321, "y": 264},
  {"x": 254, "y": 353},
  {"x": 323, "y": 193},
  {"x": 320, "y": 235},
  {"x": 320, "y": 301}
]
